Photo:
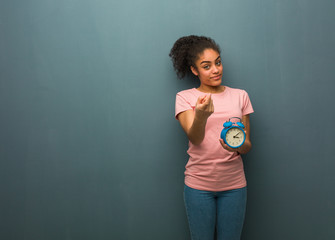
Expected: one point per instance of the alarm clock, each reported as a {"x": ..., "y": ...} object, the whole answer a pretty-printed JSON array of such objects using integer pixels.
[{"x": 233, "y": 133}]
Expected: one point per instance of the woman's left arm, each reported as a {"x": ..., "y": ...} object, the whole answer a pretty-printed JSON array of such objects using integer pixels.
[{"x": 245, "y": 148}]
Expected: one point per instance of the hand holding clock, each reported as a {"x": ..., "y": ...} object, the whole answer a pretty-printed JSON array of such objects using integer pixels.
[
  {"x": 235, "y": 138},
  {"x": 225, "y": 146}
]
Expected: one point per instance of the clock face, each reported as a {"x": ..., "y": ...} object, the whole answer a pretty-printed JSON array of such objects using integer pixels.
[{"x": 235, "y": 137}]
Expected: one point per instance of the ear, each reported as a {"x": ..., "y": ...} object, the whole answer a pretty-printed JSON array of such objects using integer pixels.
[{"x": 194, "y": 71}]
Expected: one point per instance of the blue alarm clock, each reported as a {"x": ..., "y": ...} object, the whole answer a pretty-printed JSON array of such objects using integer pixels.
[{"x": 233, "y": 133}]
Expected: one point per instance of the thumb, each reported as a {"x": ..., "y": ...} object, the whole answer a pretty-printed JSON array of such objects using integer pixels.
[{"x": 208, "y": 98}]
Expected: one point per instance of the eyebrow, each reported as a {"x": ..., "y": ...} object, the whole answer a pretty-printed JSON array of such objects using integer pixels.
[{"x": 209, "y": 61}]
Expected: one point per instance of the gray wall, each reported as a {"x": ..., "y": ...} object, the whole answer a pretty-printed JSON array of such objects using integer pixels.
[{"x": 89, "y": 146}]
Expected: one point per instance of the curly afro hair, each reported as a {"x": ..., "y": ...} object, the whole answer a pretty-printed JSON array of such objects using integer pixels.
[{"x": 186, "y": 51}]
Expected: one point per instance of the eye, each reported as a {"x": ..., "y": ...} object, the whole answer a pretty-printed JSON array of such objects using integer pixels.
[
  {"x": 218, "y": 63},
  {"x": 206, "y": 67}
]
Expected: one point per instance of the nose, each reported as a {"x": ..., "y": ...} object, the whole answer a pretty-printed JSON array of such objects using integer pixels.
[{"x": 215, "y": 69}]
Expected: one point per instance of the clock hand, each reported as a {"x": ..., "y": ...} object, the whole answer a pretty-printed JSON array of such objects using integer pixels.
[{"x": 236, "y": 135}]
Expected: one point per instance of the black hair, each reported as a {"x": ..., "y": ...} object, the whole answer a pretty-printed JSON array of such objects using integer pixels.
[{"x": 186, "y": 51}]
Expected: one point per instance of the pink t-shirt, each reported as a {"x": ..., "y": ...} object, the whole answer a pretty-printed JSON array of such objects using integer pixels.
[{"x": 211, "y": 167}]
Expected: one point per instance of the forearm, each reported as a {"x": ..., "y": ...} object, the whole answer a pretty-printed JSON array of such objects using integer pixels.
[
  {"x": 245, "y": 148},
  {"x": 196, "y": 133}
]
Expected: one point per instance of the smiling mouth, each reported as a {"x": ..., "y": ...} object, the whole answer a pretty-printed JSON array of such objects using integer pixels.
[{"x": 217, "y": 77}]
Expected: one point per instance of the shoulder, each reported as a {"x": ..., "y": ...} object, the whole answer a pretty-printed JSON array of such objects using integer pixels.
[
  {"x": 185, "y": 100},
  {"x": 188, "y": 94},
  {"x": 237, "y": 91}
]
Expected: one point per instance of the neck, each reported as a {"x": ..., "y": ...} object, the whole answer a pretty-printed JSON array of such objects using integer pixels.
[{"x": 211, "y": 89}]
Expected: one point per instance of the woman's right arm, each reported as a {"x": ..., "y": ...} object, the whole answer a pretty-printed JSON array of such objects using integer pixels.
[{"x": 194, "y": 122}]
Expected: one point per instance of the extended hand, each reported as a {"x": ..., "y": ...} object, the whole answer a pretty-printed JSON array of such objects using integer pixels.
[{"x": 204, "y": 107}]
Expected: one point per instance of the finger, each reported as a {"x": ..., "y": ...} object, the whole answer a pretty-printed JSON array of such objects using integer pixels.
[
  {"x": 205, "y": 100},
  {"x": 200, "y": 99},
  {"x": 225, "y": 146},
  {"x": 212, "y": 106},
  {"x": 222, "y": 143},
  {"x": 208, "y": 98}
]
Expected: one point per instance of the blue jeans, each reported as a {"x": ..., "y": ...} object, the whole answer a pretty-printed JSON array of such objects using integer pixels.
[{"x": 220, "y": 211}]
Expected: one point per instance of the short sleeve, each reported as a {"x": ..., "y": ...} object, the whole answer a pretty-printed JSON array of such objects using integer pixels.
[
  {"x": 247, "y": 107},
  {"x": 182, "y": 105}
]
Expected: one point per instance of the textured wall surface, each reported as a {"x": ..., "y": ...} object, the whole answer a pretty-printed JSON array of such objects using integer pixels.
[{"x": 90, "y": 149}]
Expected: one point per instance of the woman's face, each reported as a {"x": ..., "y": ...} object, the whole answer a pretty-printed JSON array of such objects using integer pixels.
[{"x": 209, "y": 68}]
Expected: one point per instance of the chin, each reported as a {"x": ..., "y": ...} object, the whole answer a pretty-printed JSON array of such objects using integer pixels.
[{"x": 217, "y": 83}]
